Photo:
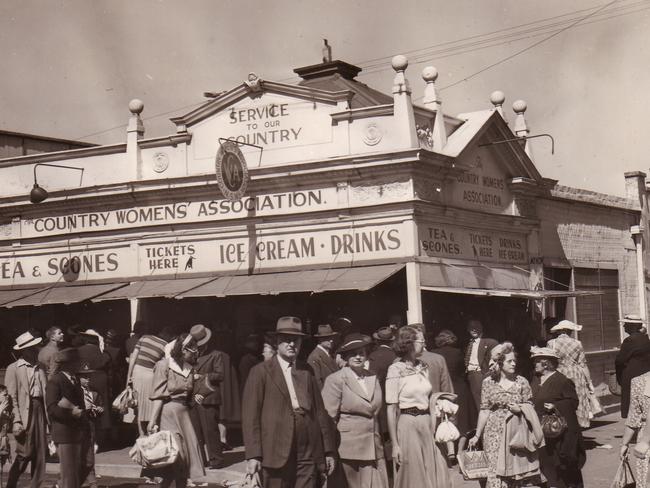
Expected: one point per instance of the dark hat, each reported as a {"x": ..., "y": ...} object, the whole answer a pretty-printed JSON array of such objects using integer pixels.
[
  {"x": 85, "y": 368},
  {"x": 384, "y": 334},
  {"x": 353, "y": 342},
  {"x": 67, "y": 355},
  {"x": 201, "y": 334},
  {"x": 341, "y": 325},
  {"x": 324, "y": 331},
  {"x": 289, "y": 325}
]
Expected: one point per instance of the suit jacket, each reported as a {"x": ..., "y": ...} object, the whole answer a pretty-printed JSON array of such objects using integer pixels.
[
  {"x": 17, "y": 383},
  {"x": 379, "y": 360},
  {"x": 322, "y": 364},
  {"x": 438, "y": 372},
  {"x": 64, "y": 427},
  {"x": 268, "y": 417},
  {"x": 485, "y": 346},
  {"x": 211, "y": 366},
  {"x": 355, "y": 412}
]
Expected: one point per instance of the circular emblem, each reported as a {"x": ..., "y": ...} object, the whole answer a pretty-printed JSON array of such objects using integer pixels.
[
  {"x": 232, "y": 172},
  {"x": 160, "y": 162},
  {"x": 372, "y": 134}
]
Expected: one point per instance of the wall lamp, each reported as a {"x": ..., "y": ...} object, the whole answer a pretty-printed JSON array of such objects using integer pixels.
[{"x": 38, "y": 193}]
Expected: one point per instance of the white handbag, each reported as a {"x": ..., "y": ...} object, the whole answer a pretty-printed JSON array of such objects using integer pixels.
[{"x": 155, "y": 450}]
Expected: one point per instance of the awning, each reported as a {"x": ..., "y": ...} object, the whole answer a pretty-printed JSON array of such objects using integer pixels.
[
  {"x": 484, "y": 280},
  {"x": 153, "y": 288},
  {"x": 64, "y": 294},
  {"x": 315, "y": 281},
  {"x": 7, "y": 296}
]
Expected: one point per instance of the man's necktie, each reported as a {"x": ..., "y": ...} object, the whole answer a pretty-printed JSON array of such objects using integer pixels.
[{"x": 468, "y": 351}]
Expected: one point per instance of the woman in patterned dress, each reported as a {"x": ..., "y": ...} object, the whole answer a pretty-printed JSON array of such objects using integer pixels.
[
  {"x": 636, "y": 421},
  {"x": 573, "y": 365},
  {"x": 502, "y": 395}
]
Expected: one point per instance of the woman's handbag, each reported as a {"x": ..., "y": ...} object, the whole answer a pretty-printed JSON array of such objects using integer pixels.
[
  {"x": 155, "y": 450},
  {"x": 125, "y": 404},
  {"x": 553, "y": 424},
  {"x": 624, "y": 477},
  {"x": 473, "y": 464},
  {"x": 614, "y": 386}
]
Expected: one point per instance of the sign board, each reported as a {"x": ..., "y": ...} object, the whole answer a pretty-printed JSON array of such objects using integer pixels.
[
  {"x": 224, "y": 253},
  {"x": 449, "y": 241},
  {"x": 232, "y": 172},
  {"x": 483, "y": 187}
]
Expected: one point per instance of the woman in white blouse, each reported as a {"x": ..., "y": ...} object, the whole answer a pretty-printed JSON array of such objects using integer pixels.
[{"x": 408, "y": 395}]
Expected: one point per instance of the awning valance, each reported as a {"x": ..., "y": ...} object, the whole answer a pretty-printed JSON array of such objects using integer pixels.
[
  {"x": 154, "y": 288},
  {"x": 8, "y": 296},
  {"x": 526, "y": 294},
  {"x": 315, "y": 281},
  {"x": 63, "y": 294}
]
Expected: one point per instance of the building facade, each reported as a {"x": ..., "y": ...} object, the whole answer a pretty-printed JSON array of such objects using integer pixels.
[{"x": 321, "y": 199}]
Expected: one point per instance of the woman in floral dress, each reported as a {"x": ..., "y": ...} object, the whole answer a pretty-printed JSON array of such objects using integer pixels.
[
  {"x": 636, "y": 421},
  {"x": 503, "y": 394},
  {"x": 573, "y": 365}
]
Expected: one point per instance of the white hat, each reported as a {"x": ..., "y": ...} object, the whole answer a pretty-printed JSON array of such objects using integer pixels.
[
  {"x": 632, "y": 319},
  {"x": 25, "y": 340},
  {"x": 543, "y": 352},
  {"x": 566, "y": 325}
]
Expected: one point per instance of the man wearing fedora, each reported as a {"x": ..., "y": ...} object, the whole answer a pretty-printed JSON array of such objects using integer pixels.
[
  {"x": 207, "y": 396},
  {"x": 320, "y": 359},
  {"x": 633, "y": 359},
  {"x": 288, "y": 434},
  {"x": 65, "y": 407},
  {"x": 26, "y": 384}
]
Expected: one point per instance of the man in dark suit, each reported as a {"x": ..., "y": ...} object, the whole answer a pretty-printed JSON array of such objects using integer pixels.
[
  {"x": 65, "y": 406},
  {"x": 320, "y": 359},
  {"x": 207, "y": 396},
  {"x": 379, "y": 360},
  {"x": 477, "y": 359},
  {"x": 633, "y": 359},
  {"x": 288, "y": 434}
]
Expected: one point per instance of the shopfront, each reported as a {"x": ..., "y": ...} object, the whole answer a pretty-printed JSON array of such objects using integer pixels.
[{"x": 322, "y": 199}]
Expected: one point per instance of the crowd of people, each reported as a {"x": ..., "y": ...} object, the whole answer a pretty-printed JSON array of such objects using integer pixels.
[{"x": 361, "y": 412}]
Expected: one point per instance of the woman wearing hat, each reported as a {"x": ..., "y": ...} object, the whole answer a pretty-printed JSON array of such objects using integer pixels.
[
  {"x": 562, "y": 457},
  {"x": 352, "y": 397},
  {"x": 573, "y": 365},
  {"x": 633, "y": 359}
]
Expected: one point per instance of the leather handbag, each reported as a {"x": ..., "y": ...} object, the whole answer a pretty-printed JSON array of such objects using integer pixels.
[
  {"x": 553, "y": 424},
  {"x": 156, "y": 450}
]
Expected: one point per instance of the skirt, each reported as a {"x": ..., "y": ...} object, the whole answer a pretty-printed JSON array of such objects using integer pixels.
[
  {"x": 365, "y": 474},
  {"x": 143, "y": 386},
  {"x": 175, "y": 417},
  {"x": 423, "y": 465}
]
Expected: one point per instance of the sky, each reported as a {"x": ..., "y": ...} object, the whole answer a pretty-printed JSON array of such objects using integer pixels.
[{"x": 70, "y": 67}]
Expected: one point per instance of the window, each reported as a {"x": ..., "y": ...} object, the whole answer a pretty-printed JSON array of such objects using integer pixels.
[{"x": 598, "y": 314}]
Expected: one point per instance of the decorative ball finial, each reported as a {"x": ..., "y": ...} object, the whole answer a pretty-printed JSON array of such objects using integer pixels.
[
  {"x": 519, "y": 106},
  {"x": 399, "y": 62},
  {"x": 497, "y": 98},
  {"x": 136, "y": 106},
  {"x": 429, "y": 74}
]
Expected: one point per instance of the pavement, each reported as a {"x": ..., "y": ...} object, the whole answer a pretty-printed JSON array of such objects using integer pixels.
[{"x": 602, "y": 441}]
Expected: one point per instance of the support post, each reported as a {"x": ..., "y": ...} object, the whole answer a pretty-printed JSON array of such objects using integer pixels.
[
  {"x": 414, "y": 294},
  {"x": 637, "y": 234},
  {"x": 136, "y": 310}
]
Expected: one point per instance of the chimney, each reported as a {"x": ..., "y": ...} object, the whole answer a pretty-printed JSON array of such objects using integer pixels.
[
  {"x": 635, "y": 186},
  {"x": 134, "y": 132},
  {"x": 402, "y": 104},
  {"x": 433, "y": 102}
]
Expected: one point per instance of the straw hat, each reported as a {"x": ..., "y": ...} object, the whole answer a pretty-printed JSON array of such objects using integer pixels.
[
  {"x": 25, "y": 340},
  {"x": 289, "y": 326},
  {"x": 566, "y": 325},
  {"x": 543, "y": 352}
]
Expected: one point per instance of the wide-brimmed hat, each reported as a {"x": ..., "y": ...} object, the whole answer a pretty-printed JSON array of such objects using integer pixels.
[
  {"x": 384, "y": 334},
  {"x": 543, "y": 352},
  {"x": 632, "y": 319},
  {"x": 25, "y": 340},
  {"x": 325, "y": 330},
  {"x": 289, "y": 326},
  {"x": 353, "y": 342},
  {"x": 566, "y": 325},
  {"x": 67, "y": 355},
  {"x": 201, "y": 334},
  {"x": 85, "y": 368}
]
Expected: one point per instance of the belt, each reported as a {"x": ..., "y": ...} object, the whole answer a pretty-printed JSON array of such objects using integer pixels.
[{"x": 415, "y": 411}]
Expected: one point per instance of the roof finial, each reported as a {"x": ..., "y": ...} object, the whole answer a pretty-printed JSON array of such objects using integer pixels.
[
  {"x": 521, "y": 128},
  {"x": 432, "y": 102},
  {"x": 402, "y": 104},
  {"x": 327, "y": 52},
  {"x": 497, "y": 98}
]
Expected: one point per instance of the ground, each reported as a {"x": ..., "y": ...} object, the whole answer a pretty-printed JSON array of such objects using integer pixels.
[{"x": 603, "y": 440}]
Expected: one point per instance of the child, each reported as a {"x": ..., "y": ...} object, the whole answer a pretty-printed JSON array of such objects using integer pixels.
[
  {"x": 6, "y": 422},
  {"x": 94, "y": 409}
]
